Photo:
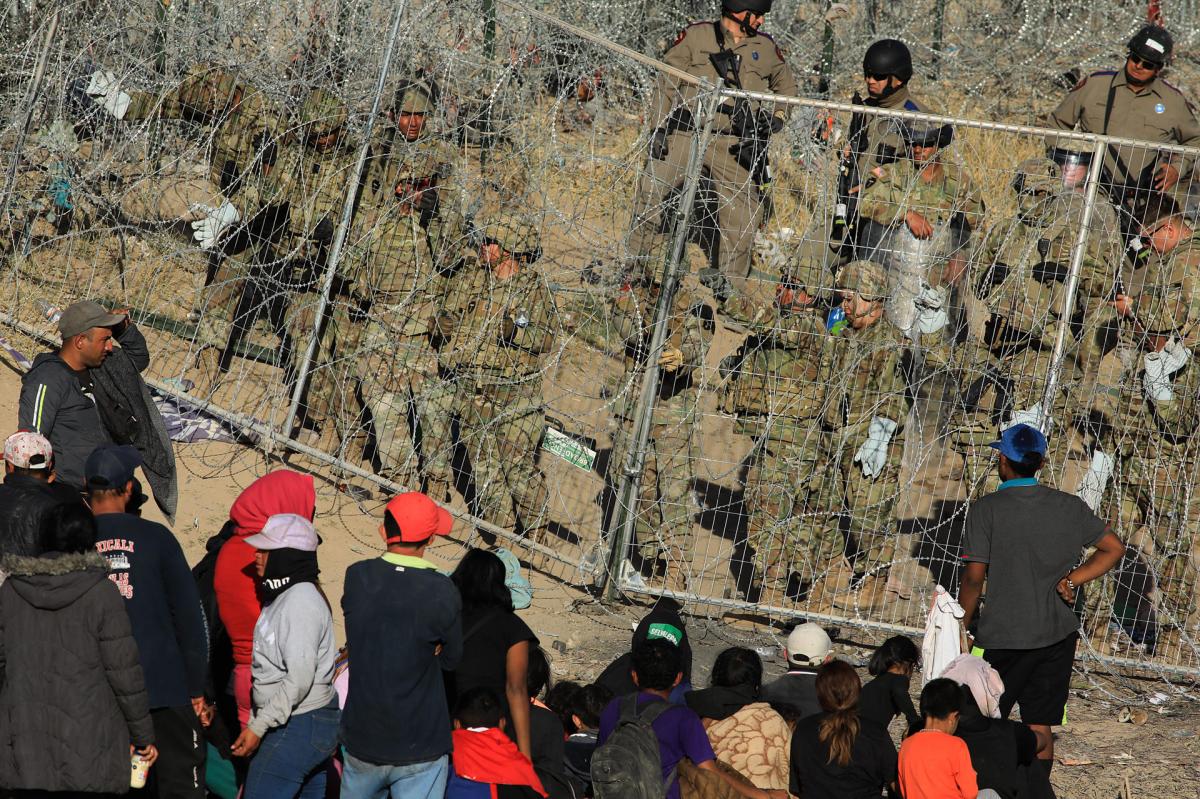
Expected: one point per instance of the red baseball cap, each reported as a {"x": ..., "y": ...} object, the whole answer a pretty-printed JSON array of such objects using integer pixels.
[{"x": 415, "y": 517}]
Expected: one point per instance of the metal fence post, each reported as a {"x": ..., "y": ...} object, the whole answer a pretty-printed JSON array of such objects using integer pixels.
[
  {"x": 1072, "y": 287},
  {"x": 621, "y": 530},
  {"x": 339, "y": 239}
]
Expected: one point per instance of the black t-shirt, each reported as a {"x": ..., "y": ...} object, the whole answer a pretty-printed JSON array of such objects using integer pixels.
[
  {"x": 886, "y": 697},
  {"x": 549, "y": 757},
  {"x": 872, "y": 763},
  {"x": 488, "y": 634}
]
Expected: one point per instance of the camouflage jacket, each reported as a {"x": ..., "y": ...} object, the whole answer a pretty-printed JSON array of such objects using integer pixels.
[
  {"x": 893, "y": 190},
  {"x": 775, "y": 391},
  {"x": 1166, "y": 291},
  {"x": 477, "y": 310},
  {"x": 864, "y": 376},
  {"x": 313, "y": 184}
]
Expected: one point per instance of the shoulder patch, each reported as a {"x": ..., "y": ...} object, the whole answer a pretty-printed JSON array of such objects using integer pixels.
[
  {"x": 909, "y": 105},
  {"x": 1101, "y": 74},
  {"x": 679, "y": 38}
]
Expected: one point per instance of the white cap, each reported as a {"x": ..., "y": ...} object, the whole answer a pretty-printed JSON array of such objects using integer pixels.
[{"x": 808, "y": 645}]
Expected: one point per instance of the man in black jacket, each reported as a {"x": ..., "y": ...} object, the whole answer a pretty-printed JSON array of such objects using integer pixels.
[
  {"x": 87, "y": 394},
  {"x": 29, "y": 490}
]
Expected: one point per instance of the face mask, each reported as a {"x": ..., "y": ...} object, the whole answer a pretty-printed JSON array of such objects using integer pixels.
[{"x": 286, "y": 568}]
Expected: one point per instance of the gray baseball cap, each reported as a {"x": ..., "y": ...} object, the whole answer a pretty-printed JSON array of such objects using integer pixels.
[{"x": 82, "y": 316}]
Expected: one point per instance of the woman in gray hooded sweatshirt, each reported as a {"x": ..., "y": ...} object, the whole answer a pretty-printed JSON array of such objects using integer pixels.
[{"x": 294, "y": 724}]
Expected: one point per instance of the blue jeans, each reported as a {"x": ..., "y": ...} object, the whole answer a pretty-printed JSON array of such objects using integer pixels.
[
  {"x": 426, "y": 780},
  {"x": 291, "y": 760}
]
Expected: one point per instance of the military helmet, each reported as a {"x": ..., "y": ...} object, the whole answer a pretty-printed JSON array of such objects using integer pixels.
[
  {"x": 1068, "y": 152},
  {"x": 754, "y": 6},
  {"x": 1152, "y": 43},
  {"x": 322, "y": 113},
  {"x": 865, "y": 278},
  {"x": 414, "y": 97},
  {"x": 889, "y": 57},
  {"x": 925, "y": 134},
  {"x": 1037, "y": 175},
  {"x": 207, "y": 89},
  {"x": 515, "y": 234}
]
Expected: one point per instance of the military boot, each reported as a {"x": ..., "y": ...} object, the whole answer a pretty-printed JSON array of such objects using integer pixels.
[{"x": 871, "y": 594}]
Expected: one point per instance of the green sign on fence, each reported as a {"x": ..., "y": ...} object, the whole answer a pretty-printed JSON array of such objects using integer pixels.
[{"x": 567, "y": 448}]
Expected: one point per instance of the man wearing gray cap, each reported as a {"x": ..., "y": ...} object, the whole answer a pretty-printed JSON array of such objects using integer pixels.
[{"x": 57, "y": 393}]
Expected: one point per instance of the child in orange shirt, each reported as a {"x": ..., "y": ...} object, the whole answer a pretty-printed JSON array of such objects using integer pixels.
[{"x": 934, "y": 764}]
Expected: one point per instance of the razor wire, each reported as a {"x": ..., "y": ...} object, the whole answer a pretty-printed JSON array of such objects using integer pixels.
[{"x": 542, "y": 118}]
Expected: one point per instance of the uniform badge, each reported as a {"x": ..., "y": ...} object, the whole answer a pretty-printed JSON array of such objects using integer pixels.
[
  {"x": 754, "y": 55},
  {"x": 522, "y": 320},
  {"x": 1159, "y": 108}
]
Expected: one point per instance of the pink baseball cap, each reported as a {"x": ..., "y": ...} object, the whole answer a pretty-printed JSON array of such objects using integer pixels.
[
  {"x": 28, "y": 450},
  {"x": 286, "y": 531}
]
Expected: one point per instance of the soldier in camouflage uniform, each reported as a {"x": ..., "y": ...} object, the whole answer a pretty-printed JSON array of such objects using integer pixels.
[
  {"x": 402, "y": 251},
  {"x": 863, "y": 408},
  {"x": 497, "y": 324},
  {"x": 1155, "y": 428},
  {"x": 915, "y": 213},
  {"x": 1018, "y": 277},
  {"x": 775, "y": 396},
  {"x": 663, "y": 510},
  {"x": 242, "y": 222}
]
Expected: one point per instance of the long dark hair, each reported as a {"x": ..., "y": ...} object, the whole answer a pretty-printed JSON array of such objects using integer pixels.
[
  {"x": 838, "y": 688},
  {"x": 479, "y": 577},
  {"x": 898, "y": 650}
]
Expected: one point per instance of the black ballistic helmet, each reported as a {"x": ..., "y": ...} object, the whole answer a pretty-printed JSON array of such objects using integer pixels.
[
  {"x": 1152, "y": 44},
  {"x": 926, "y": 134},
  {"x": 736, "y": 6},
  {"x": 889, "y": 57}
]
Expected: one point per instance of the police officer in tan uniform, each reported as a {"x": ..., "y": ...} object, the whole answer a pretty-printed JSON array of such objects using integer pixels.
[
  {"x": 1135, "y": 103},
  {"x": 735, "y": 157}
]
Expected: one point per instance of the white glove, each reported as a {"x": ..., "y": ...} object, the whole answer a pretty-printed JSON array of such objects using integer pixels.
[
  {"x": 1091, "y": 488},
  {"x": 1031, "y": 416},
  {"x": 872, "y": 455},
  {"x": 105, "y": 89},
  {"x": 931, "y": 309},
  {"x": 208, "y": 229},
  {"x": 1158, "y": 368}
]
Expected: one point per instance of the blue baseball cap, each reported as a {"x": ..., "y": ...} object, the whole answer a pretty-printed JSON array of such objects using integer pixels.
[
  {"x": 1020, "y": 440},
  {"x": 111, "y": 465}
]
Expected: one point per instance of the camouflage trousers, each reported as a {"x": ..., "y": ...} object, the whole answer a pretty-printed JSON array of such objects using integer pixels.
[
  {"x": 739, "y": 204},
  {"x": 663, "y": 512},
  {"x": 1156, "y": 500},
  {"x": 866, "y": 502},
  {"x": 784, "y": 525},
  {"x": 502, "y": 429},
  {"x": 409, "y": 408}
]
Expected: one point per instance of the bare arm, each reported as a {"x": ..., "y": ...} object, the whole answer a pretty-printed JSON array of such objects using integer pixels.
[
  {"x": 973, "y": 577},
  {"x": 1109, "y": 551},
  {"x": 516, "y": 664}
]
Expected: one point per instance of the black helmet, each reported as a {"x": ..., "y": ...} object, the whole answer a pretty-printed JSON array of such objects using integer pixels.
[
  {"x": 736, "y": 6},
  {"x": 888, "y": 57},
  {"x": 926, "y": 134},
  {"x": 1152, "y": 44}
]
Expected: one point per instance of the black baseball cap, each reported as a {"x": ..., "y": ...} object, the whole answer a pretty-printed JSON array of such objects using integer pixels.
[{"x": 111, "y": 466}]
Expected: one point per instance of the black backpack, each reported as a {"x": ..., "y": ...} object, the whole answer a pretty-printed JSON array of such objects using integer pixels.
[{"x": 628, "y": 765}]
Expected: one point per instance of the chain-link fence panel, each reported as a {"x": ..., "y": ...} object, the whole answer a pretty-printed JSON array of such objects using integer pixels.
[{"x": 744, "y": 349}]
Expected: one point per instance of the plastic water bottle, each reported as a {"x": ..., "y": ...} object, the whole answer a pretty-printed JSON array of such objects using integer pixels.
[
  {"x": 836, "y": 322},
  {"x": 50, "y": 311}
]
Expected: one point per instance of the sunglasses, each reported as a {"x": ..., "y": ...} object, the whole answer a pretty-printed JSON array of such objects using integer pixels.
[
  {"x": 1138, "y": 61},
  {"x": 875, "y": 76}
]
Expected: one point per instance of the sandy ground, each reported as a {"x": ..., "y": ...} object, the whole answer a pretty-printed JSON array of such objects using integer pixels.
[{"x": 1099, "y": 757}]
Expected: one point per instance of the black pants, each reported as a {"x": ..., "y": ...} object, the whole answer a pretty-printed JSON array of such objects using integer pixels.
[{"x": 179, "y": 771}]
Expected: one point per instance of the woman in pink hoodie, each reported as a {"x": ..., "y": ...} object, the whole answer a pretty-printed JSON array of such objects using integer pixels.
[{"x": 235, "y": 581}]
